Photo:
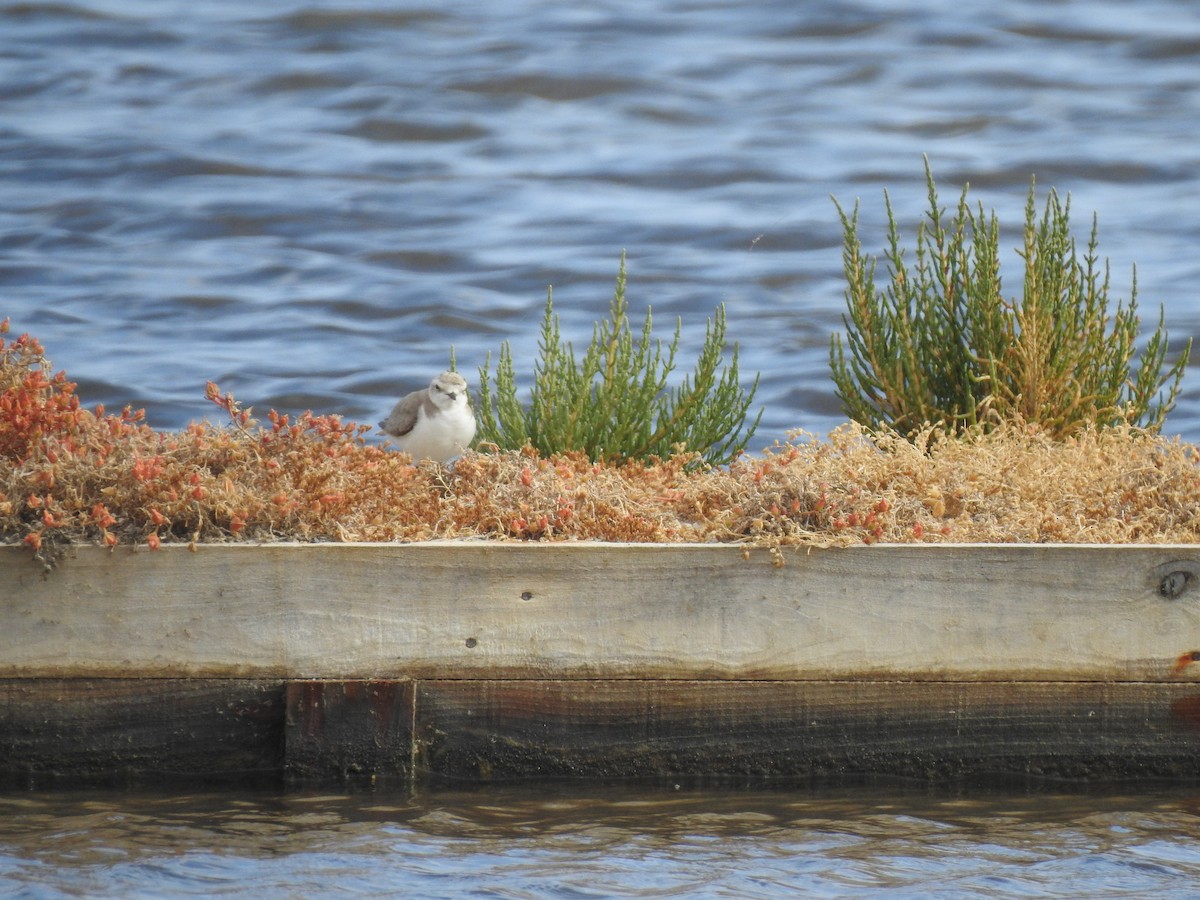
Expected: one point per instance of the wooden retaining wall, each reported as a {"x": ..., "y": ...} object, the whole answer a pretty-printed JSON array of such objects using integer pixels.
[{"x": 490, "y": 661}]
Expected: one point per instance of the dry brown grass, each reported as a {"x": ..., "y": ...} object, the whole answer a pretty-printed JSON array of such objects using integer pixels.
[{"x": 68, "y": 474}]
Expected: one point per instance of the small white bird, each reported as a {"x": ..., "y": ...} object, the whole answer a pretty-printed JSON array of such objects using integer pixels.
[{"x": 436, "y": 423}]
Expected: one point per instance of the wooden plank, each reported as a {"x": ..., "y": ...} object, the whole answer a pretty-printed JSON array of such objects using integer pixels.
[
  {"x": 348, "y": 729},
  {"x": 140, "y": 727},
  {"x": 495, "y": 731},
  {"x": 480, "y": 609},
  {"x": 489, "y": 730}
]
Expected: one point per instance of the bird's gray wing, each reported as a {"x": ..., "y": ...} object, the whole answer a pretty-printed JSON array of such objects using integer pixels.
[{"x": 403, "y": 415}]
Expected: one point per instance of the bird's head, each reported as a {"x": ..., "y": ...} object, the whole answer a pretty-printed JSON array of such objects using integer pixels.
[{"x": 448, "y": 389}]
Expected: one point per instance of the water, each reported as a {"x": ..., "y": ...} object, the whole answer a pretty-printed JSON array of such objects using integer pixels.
[
  {"x": 622, "y": 841},
  {"x": 309, "y": 202}
]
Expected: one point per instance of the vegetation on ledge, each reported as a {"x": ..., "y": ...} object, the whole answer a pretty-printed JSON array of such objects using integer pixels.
[
  {"x": 71, "y": 475},
  {"x": 613, "y": 403},
  {"x": 940, "y": 342}
]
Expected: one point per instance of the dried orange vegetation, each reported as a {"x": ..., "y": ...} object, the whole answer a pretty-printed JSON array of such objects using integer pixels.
[{"x": 68, "y": 474}]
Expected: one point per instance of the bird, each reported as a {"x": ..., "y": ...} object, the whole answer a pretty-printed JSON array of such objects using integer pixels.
[{"x": 436, "y": 423}]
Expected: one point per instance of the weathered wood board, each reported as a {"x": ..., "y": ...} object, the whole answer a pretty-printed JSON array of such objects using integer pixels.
[
  {"x": 483, "y": 730},
  {"x": 500, "y": 730},
  {"x": 349, "y": 728},
  {"x": 514, "y": 661},
  {"x": 140, "y": 727},
  {"x": 476, "y": 609}
]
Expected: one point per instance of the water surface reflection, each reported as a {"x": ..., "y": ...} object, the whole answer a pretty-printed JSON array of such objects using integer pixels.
[{"x": 591, "y": 841}]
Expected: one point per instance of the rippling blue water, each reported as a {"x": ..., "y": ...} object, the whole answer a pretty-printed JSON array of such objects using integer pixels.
[
  {"x": 311, "y": 201},
  {"x": 626, "y": 842}
]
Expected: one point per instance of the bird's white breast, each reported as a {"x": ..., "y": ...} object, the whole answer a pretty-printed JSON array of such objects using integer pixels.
[{"x": 442, "y": 436}]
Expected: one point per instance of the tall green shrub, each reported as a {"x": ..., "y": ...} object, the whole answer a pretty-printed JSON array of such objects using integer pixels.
[
  {"x": 614, "y": 403},
  {"x": 940, "y": 342}
]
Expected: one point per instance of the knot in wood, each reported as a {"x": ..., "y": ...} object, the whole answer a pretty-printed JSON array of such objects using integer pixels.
[{"x": 1174, "y": 583}]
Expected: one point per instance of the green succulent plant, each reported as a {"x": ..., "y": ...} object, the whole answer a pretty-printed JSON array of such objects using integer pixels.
[
  {"x": 614, "y": 402},
  {"x": 941, "y": 343}
]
